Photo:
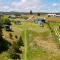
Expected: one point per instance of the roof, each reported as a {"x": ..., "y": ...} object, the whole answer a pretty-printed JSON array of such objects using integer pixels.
[
  {"x": 51, "y": 14},
  {"x": 40, "y": 19}
]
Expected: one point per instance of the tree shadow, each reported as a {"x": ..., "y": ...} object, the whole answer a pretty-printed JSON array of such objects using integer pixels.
[
  {"x": 15, "y": 56},
  {"x": 10, "y": 30},
  {"x": 4, "y": 45},
  {"x": 18, "y": 51}
]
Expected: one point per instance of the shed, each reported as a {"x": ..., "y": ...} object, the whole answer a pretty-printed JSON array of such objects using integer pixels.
[{"x": 40, "y": 21}]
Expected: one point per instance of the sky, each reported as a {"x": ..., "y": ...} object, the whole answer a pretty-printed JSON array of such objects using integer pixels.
[{"x": 27, "y": 5}]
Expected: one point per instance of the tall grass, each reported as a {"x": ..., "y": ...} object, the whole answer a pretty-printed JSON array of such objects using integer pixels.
[{"x": 55, "y": 37}]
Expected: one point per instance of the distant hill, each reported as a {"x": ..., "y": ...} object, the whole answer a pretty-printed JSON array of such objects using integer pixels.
[{"x": 25, "y": 13}]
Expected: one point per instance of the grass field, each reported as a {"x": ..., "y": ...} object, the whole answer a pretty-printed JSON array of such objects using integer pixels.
[{"x": 38, "y": 41}]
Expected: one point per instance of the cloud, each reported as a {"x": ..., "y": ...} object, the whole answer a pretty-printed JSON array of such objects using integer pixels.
[
  {"x": 56, "y": 4},
  {"x": 23, "y": 5},
  {"x": 27, "y": 4}
]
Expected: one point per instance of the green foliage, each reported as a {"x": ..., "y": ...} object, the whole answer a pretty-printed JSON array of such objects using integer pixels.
[
  {"x": 1, "y": 25},
  {"x": 30, "y": 11},
  {"x": 55, "y": 37},
  {"x": 20, "y": 41},
  {"x": 38, "y": 14},
  {"x": 14, "y": 50},
  {"x": 15, "y": 56},
  {"x": 4, "y": 45},
  {"x": 12, "y": 54},
  {"x": 4, "y": 19},
  {"x": 24, "y": 17},
  {"x": 10, "y": 35}
]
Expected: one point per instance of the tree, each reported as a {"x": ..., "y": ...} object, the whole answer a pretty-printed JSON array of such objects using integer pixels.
[
  {"x": 5, "y": 20},
  {"x": 13, "y": 54},
  {"x": 1, "y": 25},
  {"x": 20, "y": 42},
  {"x": 38, "y": 14},
  {"x": 3, "y": 43},
  {"x": 30, "y": 11}
]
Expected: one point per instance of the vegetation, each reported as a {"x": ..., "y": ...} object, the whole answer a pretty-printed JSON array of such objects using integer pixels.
[
  {"x": 30, "y": 11},
  {"x": 15, "y": 49},
  {"x": 4, "y": 45},
  {"x": 28, "y": 40},
  {"x": 55, "y": 37},
  {"x": 38, "y": 14}
]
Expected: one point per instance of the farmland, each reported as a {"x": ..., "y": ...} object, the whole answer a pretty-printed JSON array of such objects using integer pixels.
[{"x": 40, "y": 43}]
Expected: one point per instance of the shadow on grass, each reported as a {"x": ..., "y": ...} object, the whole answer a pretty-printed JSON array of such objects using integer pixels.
[
  {"x": 10, "y": 30},
  {"x": 4, "y": 45},
  {"x": 15, "y": 51},
  {"x": 15, "y": 57}
]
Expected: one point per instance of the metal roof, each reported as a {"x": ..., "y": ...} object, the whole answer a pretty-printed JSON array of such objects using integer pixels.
[{"x": 40, "y": 19}]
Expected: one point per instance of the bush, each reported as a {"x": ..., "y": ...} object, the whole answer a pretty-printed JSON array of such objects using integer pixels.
[
  {"x": 38, "y": 14},
  {"x": 14, "y": 50},
  {"x": 15, "y": 56}
]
